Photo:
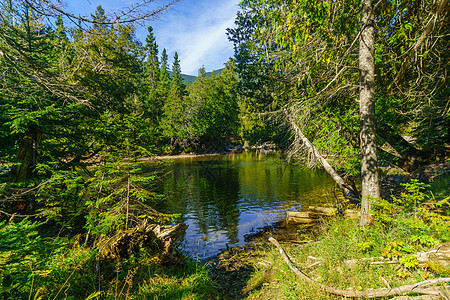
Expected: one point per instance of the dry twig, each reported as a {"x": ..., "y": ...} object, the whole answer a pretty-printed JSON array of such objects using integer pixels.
[{"x": 404, "y": 289}]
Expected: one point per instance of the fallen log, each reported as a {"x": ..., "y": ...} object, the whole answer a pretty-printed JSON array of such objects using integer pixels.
[
  {"x": 157, "y": 239},
  {"x": 434, "y": 296},
  {"x": 439, "y": 255},
  {"x": 322, "y": 211},
  {"x": 405, "y": 289},
  {"x": 315, "y": 213},
  {"x": 299, "y": 217}
]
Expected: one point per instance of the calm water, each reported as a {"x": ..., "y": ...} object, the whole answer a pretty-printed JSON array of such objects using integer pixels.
[{"x": 223, "y": 198}]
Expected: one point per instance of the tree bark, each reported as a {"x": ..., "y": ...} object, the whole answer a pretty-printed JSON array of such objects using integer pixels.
[
  {"x": 27, "y": 159},
  {"x": 369, "y": 164},
  {"x": 27, "y": 156}
]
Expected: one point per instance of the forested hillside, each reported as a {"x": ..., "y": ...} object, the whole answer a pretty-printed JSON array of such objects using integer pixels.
[{"x": 77, "y": 98}]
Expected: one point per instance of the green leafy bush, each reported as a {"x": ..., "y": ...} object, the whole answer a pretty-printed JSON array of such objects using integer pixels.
[{"x": 418, "y": 212}]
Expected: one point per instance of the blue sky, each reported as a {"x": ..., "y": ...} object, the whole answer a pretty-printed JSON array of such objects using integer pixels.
[{"x": 196, "y": 29}]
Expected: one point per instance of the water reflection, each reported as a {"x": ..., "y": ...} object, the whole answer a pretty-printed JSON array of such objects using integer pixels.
[{"x": 223, "y": 198}]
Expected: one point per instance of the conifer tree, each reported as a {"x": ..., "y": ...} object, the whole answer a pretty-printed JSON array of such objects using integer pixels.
[
  {"x": 177, "y": 83},
  {"x": 213, "y": 112},
  {"x": 152, "y": 62},
  {"x": 152, "y": 102},
  {"x": 164, "y": 77},
  {"x": 174, "y": 122}
]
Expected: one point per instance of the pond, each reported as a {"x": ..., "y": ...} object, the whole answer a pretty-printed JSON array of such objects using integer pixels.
[{"x": 223, "y": 198}]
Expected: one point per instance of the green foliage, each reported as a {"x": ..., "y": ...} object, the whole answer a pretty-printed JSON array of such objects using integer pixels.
[
  {"x": 36, "y": 267},
  {"x": 204, "y": 115},
  {"x": 297, "y": 55},
  {"x": 409, "y": 261},
  {"x": 20, "y": 244},
  {"x": 213, "y": 106},
  {"x": 118, "y": 195},
  {"x": 395, "y": 250},
  {"x": 77, "y": 107},
  {"x": 417, "y": 210},
  {"x": 175, "y": 113},
  {"x": 364, "y": 246}
]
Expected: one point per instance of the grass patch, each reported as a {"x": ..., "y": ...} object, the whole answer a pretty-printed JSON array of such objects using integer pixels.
[{"x": 412, "y": 223}]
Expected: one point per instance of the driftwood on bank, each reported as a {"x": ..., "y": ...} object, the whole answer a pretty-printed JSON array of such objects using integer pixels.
[
  {"x": 157, "y": 239},
  {"x": 405, "y": 289},
  {"x": 315, "y": 213},
  {"x": 439, "y": 255}
]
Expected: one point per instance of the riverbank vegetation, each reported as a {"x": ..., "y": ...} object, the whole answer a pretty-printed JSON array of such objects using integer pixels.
[
  {"x": 406, "y": 244},
  {"x": 82, "y": 100}
]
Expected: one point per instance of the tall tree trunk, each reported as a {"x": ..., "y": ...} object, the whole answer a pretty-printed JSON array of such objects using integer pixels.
[
  {"x": 27, "y": 155},
  {"x": 369, "y": 164}
]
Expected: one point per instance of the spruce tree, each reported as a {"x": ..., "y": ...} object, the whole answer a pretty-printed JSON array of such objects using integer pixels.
[
  {"x": 164, "y": 77},
  {"x": 152, "y": 62},
  {"x": 174, "y": 114},
  {"x": 152, "y": 103}
]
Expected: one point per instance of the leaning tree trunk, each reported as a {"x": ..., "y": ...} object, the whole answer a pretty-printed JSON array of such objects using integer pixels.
[
  {"x": 346, "y": 189},
  {"x": 369, "y": 166}
]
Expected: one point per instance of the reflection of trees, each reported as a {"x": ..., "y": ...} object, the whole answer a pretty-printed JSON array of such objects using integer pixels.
[
  {"x": 209, "y": 191},
  {"x": 267, "y": 180}
]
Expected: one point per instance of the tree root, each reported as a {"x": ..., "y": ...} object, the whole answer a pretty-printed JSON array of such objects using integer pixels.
[
  {"x": 410, "y": 288},
  {"x": 155, "y": 238}
]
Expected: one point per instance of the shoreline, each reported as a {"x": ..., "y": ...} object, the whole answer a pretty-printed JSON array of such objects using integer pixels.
[
  {"x": 180, "y": 156},
  {"x": 238, "y": 149}
]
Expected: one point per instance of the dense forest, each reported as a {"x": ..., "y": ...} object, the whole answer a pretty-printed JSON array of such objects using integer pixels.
[{"x": 357, "y": 88}]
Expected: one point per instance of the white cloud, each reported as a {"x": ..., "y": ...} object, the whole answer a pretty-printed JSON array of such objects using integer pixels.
[{"x": 197, "y": 31}]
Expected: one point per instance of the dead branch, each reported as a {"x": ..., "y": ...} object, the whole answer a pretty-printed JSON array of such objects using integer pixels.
[
  {"x": 410, "y": 288},
  {"x": 12, "y": 216},
  {"x": 426, "y": 32},
  {"x": 316, "y": 155},
  {"x": 138, "y": 11},
  {"x": 15, "y": 196}
]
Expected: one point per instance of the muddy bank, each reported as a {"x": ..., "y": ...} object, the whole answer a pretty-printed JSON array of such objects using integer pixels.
[{"x": 232, "y": 269}]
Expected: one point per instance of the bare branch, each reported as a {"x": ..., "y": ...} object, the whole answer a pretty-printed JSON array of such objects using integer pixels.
[
  {"x": 425, "y": 34},
  {"x": 409, "y": 288},
  {"x": 137, "y": 12}
]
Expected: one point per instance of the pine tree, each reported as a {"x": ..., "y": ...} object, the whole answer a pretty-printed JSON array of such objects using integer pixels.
[
  {"x": 174, "y": 114},
  {"x": 164, "y": 77},
  {"x": 152, "y": 103},
  {"x": 152, "y": 62},
  {"x": 99, "y": 18}
]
